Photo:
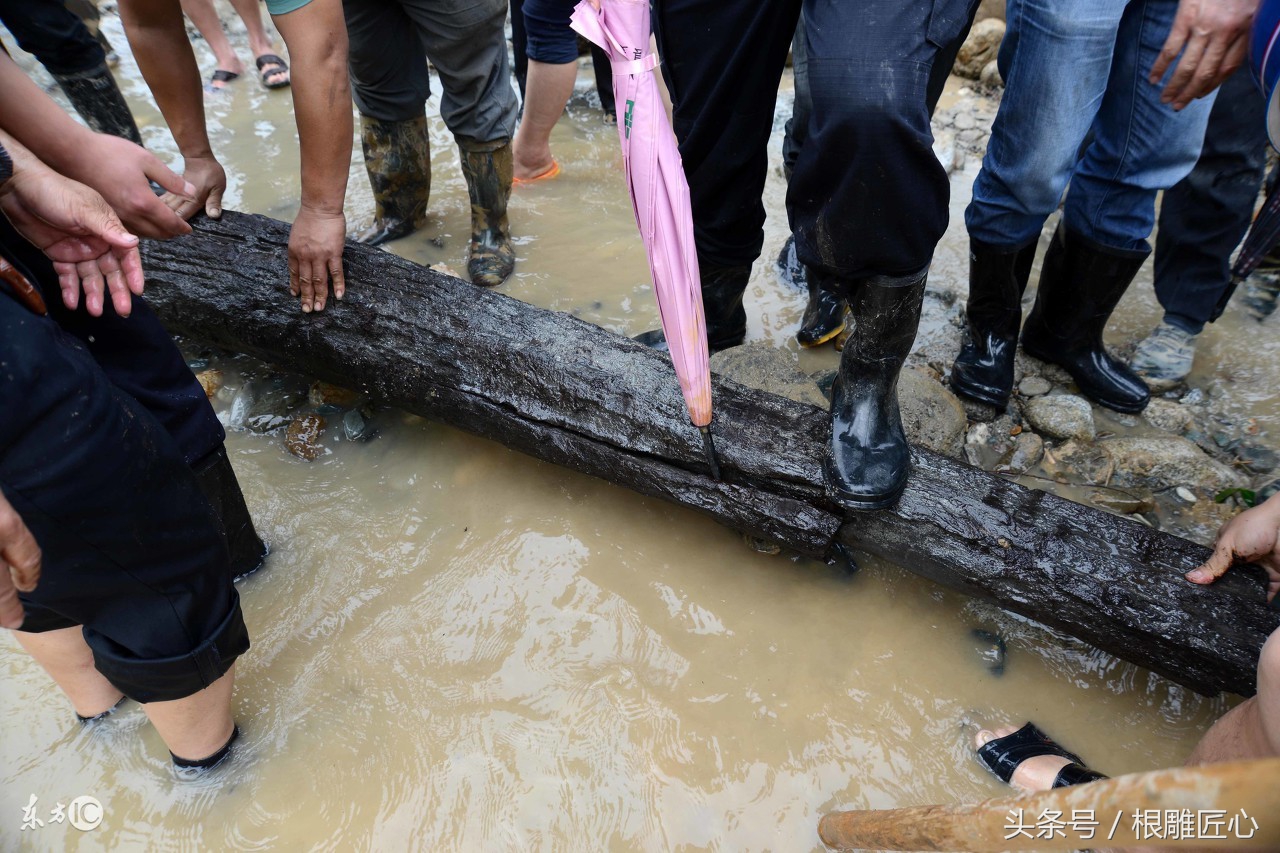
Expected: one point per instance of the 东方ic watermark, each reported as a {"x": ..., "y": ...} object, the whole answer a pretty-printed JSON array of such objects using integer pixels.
[{"x": 84, "y": 813}]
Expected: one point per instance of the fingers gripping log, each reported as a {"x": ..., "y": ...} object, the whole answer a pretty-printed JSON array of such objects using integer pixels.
[{"x": 1010, "y": 823}]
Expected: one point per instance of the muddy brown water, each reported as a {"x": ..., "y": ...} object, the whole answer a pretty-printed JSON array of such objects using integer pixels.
[{"x": 457, "y": 647}]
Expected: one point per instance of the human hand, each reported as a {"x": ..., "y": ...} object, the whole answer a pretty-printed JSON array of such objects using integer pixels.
[
  {"x": 208, "y": 180},
  {"x": 1253, "y": 536},
  {"x": 1212, "y": 37},
  {"x": 21, "y": 556},
  {"x": 120, "y": 171},
  {"x": 75, "y": 228},
  {"x": 315, "y": 257}
]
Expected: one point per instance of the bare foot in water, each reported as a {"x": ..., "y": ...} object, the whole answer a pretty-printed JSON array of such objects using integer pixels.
[{"x": 1034, "y": 774}]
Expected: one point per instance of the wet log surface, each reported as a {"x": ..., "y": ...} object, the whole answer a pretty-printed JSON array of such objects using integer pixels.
[{"x": 571, "y": 393}]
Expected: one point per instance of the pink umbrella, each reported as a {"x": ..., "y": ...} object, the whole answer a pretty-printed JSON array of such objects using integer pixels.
[{"x": 659, "y": 196}]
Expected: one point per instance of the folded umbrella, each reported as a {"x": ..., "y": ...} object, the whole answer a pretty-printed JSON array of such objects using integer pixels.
[{"x": 659, "y": 196}]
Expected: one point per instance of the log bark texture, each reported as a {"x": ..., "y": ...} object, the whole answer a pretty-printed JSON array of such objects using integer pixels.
[{"x": 569, "y": 392}]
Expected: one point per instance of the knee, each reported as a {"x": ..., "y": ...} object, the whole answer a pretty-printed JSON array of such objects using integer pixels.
[{"x": 881, "y": 106}]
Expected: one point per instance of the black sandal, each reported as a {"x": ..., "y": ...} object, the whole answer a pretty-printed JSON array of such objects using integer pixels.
[
  {"x": 1003, "y": 755},
  {"x": 221, "y": 76},
  {"x": 270, "y": 65}
]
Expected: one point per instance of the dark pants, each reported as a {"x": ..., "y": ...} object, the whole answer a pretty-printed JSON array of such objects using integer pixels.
[
  {"x": 520, "y": 52},
  {"x": 868, "y": 196},
  {"x": 798, "y": 124},
  {"x": 54, "y": 34},
  {"x": 391, "y": 42},
  {"x": 132, "y": 551},
  {"x": 137, "y": 354},
  {"x": 1206, "y": 214}
]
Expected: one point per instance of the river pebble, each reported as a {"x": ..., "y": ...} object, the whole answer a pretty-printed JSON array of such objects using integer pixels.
[
  {"x": 303, "y": 437},
  {"x": 1062, "y": 416}
]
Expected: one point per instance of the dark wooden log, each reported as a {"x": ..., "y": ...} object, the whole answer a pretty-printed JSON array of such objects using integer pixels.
[{"x": 571, "y": 393}]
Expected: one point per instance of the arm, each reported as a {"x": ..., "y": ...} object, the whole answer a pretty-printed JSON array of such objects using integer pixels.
[
  {"x": 20, "y": 554},
  {"x": 1253, "y": 536},
  {"x": 75, "y": 228},
  {"x": 116, "y": 168},
  {"x": 1212, "y": 37},
  {"x": 316, "y": 35},
  {"x": 158, "y": 37}
]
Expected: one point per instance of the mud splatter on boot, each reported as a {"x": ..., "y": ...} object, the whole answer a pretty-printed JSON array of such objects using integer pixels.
[
  {"x": 99, "y": 102},
  {"x": 397, "y": 157},
  {"x": 487, "y": 167}
]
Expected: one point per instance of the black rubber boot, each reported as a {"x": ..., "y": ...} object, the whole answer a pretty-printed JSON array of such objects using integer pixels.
[
  {"x": 1080, "y": 285},
  {"x": 722, "y": 289},
  {"x": 868, "y": 459},
  {"x": 997, "y": 279},
  {"x": 823, "y": 316},
  {"x": 222, "y": 490},
  {"x": 397, "y": 157},
  {"x": 100, "y": 103},
  {"x": 487, "y": 166}
]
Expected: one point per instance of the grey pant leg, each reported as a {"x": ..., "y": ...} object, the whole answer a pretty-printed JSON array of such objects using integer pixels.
[
  {"x": 389, "y": 79},
  {"x": 466, "y": 43}
]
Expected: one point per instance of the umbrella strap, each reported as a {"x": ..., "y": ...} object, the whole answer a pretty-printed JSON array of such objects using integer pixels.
[{"x": 636, "y": 66}]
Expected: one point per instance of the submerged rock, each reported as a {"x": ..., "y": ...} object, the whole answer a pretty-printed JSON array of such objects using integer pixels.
[
  {"x": 1123, "y": 501},
  {"x": 210, "y": 380},
  {"x": 1256, "y": 458},
  {"x": 1167, "y": 463},
  {"x": 326, "y": 394},
  {"x": 1062, "y": 416},
  {"x": 991, "y": 650},
  {"x": 303, "y": 437}
]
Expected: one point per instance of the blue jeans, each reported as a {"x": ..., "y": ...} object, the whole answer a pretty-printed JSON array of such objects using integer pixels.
[{"x": 1074, "y": 68}]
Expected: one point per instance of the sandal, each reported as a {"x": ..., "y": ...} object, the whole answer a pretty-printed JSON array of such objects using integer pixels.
[
  {"x": 270, "y": 65},
  {"x": 545, "y": 176},
  {"x": 220, "y": 76},
  {"x": 1003, "y": 755}
]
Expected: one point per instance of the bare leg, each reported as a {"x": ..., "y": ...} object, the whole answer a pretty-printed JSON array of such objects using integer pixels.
[
  {"x": 205, "y": 17},
  {"x": 199, "y": 725},
  {"x": 259, "y": 42},
  {"x": 548, "y": 91},
  {"x": 69, "y": 661}
]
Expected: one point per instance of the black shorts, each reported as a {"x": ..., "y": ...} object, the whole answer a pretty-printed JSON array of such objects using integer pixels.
[{"x": 131, "y": 549}]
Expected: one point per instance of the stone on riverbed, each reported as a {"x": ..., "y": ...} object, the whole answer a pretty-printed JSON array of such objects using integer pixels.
[
  {"x": 1027, "y": 451},
  {"x": 761, "y": 365},
  {"x": 931, "y": 415},
  {"x": 1168, "y": 415},
  {"x": 210, "y": 380},
  {"x": 1167, "y": 463},
  {"x": 326, "y": 394},
  {"x": 979, "y": 48},
  {"x": 303, "y": 437},
  {"x": 1034, "y": 386},
  {"x": 1062, "y": 416}
]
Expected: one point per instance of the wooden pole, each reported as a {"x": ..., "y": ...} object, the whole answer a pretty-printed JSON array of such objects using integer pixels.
[{"x": 1233, "y": 805}]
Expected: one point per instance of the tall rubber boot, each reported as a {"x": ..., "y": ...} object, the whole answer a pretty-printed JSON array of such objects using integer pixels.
[
  {"x": 487, "y": 167},
  {"x": 397, "y": 157},
  {"x": 722, "y": 289},
  {"x": 868, "y": 459},
  {"x": 997, "y": 279},
  {"x": 99, "y": 102},
  {"x": 823, "y": 316},
  {"x": 221, "y": 488},
  {"x": 1080, "y": 285}
]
